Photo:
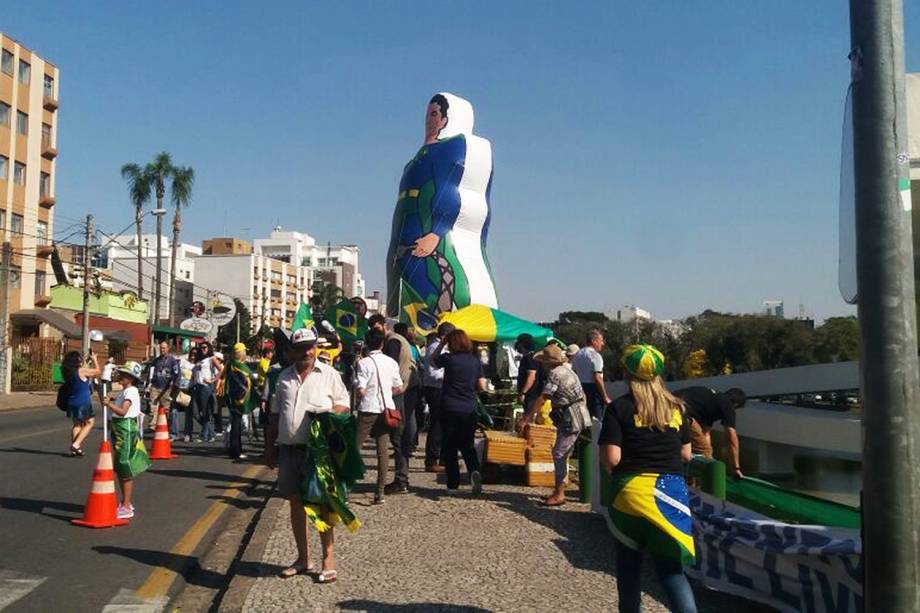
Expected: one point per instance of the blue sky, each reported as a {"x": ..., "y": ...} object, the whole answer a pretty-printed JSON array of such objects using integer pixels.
[{"x": 677, "y": 156}]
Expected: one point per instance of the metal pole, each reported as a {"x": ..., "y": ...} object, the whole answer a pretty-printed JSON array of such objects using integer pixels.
[
  {"x": 887, "y": 315},
  {"x": 5, "y": 314},
  {"x": 87, "y": 256},
  {"x": 159, "y": 268}
]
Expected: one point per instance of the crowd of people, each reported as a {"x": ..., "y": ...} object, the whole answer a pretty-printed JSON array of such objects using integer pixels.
[{"x": 299, "y": 400}]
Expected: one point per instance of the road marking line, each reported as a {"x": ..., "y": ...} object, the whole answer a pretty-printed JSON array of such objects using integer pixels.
[
  {"x": 10, "y": 439},
  {"x": 126, "y": 602},
  {"x": 160, "y": 580},
  {"x": 14, "y": 585}
]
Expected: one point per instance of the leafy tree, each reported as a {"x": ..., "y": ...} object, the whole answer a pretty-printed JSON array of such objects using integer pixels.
[
  {"x": 325, "y": 295},
  {"x": 837, "y": 340},
  {"x": 570, "y": 317},
  {"x": 226, "y": 335}
]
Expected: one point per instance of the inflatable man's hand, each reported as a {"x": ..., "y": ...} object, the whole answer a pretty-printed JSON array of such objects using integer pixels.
[{"x": 426, "y": 245}]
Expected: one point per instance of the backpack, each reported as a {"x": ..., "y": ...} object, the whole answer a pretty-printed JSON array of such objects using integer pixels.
[{"x": 62, "y": 395}]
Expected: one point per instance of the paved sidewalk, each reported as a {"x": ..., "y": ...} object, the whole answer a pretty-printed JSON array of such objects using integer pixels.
[
  {"x": 434, "y": 551},
  {"x": 27, "y": 400}
]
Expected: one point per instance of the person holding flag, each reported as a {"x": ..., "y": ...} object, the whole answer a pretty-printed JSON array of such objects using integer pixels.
[
  {"x": 235, "y": 388},
  {"x": 130, "y": 458}
]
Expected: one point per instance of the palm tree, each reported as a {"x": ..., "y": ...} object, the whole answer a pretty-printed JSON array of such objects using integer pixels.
[
  {"x": 183, "y": 178},
  {"x": 158, "y": 173},
  {"x": 139, "y": 188}
]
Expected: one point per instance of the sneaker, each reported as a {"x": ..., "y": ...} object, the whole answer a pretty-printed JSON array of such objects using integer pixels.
[
  {"x": 218, "y": 435},
  {"x": 186, "y": 438},
  {"x": 243, "y": 456},
  {"x": 123, "y": 512},
  {"x": 396, "y": 488},
  {"x": 378, "y": 499},
  {"x": 476, "y": 482}
]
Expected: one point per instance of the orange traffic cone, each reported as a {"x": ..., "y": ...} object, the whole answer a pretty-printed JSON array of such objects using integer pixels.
[
  {"x": 162, "y": 448},
  {"x": 100, "y": 505}
]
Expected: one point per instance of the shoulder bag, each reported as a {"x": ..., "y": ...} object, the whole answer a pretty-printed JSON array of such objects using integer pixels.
[{"x": 391, "y": 417}]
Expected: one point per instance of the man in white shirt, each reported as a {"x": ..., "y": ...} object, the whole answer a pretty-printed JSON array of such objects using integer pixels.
[
  {"x": 433, "y": 378},
  {"x": 377, "y": 379},
  {"x": 588, "y": 364},
  {"x": 304, "y": 388}
]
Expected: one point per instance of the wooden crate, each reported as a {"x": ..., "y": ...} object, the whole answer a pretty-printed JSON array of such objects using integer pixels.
[
  {"x": 540, "y": 436},
  {"x": 540, "y": 469},
  {"x": 505, "y": 448}
]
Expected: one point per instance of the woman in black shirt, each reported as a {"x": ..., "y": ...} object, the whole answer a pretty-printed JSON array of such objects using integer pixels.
[
  {"x": 463, "y": 377},
  {"x": 645, "y": 440}
]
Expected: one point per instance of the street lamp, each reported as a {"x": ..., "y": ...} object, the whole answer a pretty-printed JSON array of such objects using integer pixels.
[{"x": 158, "y": 213}]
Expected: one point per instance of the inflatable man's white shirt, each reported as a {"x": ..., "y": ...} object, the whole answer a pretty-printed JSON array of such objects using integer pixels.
[{"x": 474, "y": 208}]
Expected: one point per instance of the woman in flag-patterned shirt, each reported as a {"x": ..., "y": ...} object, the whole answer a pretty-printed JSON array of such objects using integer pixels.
[{"x": 645, "y": 440}]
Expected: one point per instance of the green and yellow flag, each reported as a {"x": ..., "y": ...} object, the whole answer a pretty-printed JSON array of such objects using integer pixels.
[
  {"x": 303, "y": 318},
  {"x": 348, "y": 323},
  {"x": 414, "y": 312},
  {"x": 485, "y": 325}
]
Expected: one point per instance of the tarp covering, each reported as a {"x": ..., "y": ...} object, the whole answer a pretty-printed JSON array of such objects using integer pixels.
[{"x": 485, "y": 325}]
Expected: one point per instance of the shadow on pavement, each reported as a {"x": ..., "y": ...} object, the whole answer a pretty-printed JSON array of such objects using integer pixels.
[
  {"x": 203, "y": 475},
  {"x": 35, "y": 452},
  {"x": 38, "y": 507},
  {"x": 411, "y": 607},
  {"x": 188, "y": 566}
]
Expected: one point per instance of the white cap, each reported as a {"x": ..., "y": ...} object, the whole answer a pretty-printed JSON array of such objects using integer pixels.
[
  {"x": 303, "y": 336},
  {"x": 218, "y": 355}
]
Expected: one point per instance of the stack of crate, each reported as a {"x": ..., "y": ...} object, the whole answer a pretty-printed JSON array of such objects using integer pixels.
[
  {"x": 540, "y": 441},
  {"x": 505, "y": 448}
]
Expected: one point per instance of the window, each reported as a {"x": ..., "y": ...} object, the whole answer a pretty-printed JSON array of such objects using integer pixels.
[
  {"x": 46, "y": 136},
  {"x": 25, "y": 72},
  {"x": 4, "y": 114},
  {"x": 19, "y": 173},
  {"x": 41, "y": 232},
  {"x": 44, "y": 185},
  {"x": 39, "y": 283},
  {"x": 2, "y": 220},
  {"x": 6, "y": 63},
  {"x": 15, "y": 277},
  {"x": 22, "y": 123},
  {"x": 16, "y": 224},
  {"x": 4, "y": 168},
  {"x": 49, "y": 86}
]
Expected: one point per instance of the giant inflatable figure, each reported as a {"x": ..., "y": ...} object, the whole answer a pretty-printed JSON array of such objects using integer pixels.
[{"x": 437, "y": 251}]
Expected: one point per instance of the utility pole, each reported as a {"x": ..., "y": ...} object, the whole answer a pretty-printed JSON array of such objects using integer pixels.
[
  {"x": 87, "y": 256},
  {"x": 159, "y": 273},
  {"x": 5, "y": 262},
  {"x": 887, "y": 314}
]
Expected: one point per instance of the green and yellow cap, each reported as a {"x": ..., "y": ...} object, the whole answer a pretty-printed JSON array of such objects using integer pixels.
[{"x": 643, "y": 362}]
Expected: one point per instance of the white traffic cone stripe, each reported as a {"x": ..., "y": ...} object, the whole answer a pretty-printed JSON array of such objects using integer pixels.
[
  {"x": 160, "y": 435},
  {"x": 105, "y": 461},
  {"x": 103, "y": 487}
]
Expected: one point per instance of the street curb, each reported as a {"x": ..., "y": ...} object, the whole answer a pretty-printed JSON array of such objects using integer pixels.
[{"x": 234, "y": 598}]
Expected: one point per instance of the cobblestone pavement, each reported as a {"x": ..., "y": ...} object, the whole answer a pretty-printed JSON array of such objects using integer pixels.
[{"x": 431, "y": 550}]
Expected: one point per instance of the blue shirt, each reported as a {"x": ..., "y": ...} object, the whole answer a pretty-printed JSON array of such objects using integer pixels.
[
  {"x": 462, "y": 372},
  {"x": 165, "y": 372},
  {"x": 79, "y": 393}
]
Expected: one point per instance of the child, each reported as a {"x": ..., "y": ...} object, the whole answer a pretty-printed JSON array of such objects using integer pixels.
[{"x": 130, "y": 457}]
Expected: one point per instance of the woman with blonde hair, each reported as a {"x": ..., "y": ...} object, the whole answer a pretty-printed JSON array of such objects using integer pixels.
[{"x": 645, "y": 440}]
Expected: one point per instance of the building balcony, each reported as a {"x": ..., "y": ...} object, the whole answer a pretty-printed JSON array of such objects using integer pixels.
[
  {"x": 46, "y": 201},
  {"x": 42, "y": 300},
  {"x": 50, "y": 102},
  {"x": 49, "y": 151},
  {"x": 43, "y": 249}
]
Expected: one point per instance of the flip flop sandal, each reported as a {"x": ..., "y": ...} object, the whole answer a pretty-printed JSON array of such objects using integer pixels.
[
  {"x": 295, "y": 569},
  {"x": 547, "y": 503},
  {"x": 74, "y": 452},
  {"x": 80, "y": 452},
  {"x": 327, "y": 576}
]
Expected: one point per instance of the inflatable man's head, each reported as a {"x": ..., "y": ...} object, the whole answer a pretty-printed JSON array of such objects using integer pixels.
[{"x": 437, "y": 258}]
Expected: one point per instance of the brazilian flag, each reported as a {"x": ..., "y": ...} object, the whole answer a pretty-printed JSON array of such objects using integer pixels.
[
  {"x": 303, "y": 318},
  {"x": 348, "y": 323},
  {"x": 414, "y": 312},
  {"x": 237, "y": 387}
]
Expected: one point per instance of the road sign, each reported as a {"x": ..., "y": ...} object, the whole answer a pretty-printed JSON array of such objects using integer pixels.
[
  {"x": 222, "y": 309},
  {"x": 196, "y": 324}
]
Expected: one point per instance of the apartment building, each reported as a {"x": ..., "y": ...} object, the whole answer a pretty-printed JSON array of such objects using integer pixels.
[
  {"x": 337, "y": 264},
  {"x": 269, "y": 288},
  {"x": 28, "y": 148}
]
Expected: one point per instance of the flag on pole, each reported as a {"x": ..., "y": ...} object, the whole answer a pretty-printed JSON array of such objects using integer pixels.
[
  {"x": 303, "y": 318},
  {"x": 348, "y": 323}
]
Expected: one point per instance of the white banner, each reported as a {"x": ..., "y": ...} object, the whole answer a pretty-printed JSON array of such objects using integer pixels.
[{"x": 790, "y": 567}]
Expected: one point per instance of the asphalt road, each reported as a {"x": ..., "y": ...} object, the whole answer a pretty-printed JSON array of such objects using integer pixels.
[{"x": 47, "y": 564}]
